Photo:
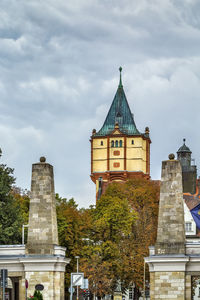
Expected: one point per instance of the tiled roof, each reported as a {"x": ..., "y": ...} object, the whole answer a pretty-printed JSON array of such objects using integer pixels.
[{"x": 119, "y": 113}]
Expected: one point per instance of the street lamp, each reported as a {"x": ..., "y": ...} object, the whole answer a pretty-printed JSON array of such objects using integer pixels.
[{"x": 77, "y": 257}]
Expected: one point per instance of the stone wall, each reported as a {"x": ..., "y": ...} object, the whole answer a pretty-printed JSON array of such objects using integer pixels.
[
  {"x": 168, "y": 285},
  {"x": 152, "y": 286},
  {"x": 53, "y": 283}
]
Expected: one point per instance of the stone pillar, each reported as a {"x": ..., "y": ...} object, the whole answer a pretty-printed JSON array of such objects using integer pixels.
[
  {"x": 168, "y": 263},
  {"x": 42, "y": 231},
  {"x": 22, "y": 289},
  {"x": 171, "y": 230}
]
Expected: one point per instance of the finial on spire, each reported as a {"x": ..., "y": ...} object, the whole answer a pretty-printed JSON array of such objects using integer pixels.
[
  {"x": 120, "y": 79},
  {"x": 184, "y": 140}
]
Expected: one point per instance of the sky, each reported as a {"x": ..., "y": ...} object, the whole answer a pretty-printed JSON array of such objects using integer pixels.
[{"x": 59, "y": 64}]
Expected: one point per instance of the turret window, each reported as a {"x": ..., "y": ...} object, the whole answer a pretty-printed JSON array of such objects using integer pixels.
[
  {"x": 120, "y": 143},
  {"x": 116, "y": 143},
  {"x": 101, "y": 143},
  {"x": 132, "y": 142},
  {"x": 112, "y": 143}
]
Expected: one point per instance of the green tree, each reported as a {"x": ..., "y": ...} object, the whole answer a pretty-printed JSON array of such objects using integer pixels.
[
  {"x": 10, "y": 213},
  {"x": 104, "y": 252}
]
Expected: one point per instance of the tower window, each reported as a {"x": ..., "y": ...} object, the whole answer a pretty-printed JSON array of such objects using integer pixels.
[
  {"x": 132, "y": 142},
  {"x": 116, "y": 143},
  {"x": 112, "y": 143},
  {"x": 120, "y": 143},
  {"x": 101, "y": 143}
]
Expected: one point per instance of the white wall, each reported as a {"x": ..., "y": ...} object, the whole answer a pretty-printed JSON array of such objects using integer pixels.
[{"x": 189, "y": 219}]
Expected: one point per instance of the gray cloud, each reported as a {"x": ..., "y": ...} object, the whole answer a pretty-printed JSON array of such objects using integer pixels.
[{"x": 59, "y": 72}]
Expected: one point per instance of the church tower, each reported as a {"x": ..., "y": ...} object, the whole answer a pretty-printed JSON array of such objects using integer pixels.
[{"x": 118, "y": 150}]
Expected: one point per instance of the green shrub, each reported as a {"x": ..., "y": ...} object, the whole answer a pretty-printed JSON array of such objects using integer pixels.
[{"x": 38, "y": 295}]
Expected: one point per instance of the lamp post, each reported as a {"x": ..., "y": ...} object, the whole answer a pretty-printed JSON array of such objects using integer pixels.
[{"x": 77, "y": 257}]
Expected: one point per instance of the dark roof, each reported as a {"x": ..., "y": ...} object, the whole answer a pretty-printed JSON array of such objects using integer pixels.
[
  {"x": 119, "y": 113},
  {"x": 184, "y": 148}
]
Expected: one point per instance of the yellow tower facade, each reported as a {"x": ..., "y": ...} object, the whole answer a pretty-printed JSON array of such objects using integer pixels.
[{"x": 118, "y": 150}]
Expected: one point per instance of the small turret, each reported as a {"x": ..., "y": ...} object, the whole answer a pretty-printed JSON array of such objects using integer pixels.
[
  {"x": 184, "y": 155},
  {"x": 189, "y": 172}
]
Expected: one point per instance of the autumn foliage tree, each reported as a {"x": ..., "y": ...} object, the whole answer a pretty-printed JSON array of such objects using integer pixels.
[
  {"x": 104, "y": 251},
  {"x": 143, "y": 196},
  {"x": 124, "y": 226}
]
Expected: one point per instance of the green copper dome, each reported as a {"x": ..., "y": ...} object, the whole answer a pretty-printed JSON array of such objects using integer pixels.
[
  {"x": 184, "y": 148},
  {"x": 120, "y": 114}
]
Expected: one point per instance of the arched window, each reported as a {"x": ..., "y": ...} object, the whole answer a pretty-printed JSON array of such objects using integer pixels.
[
  {"x": 116, "y": 143},
  {"x": 101, "y": 143},
  {"x": 132, "y": 142},
  {"x": 112, "y": 143},
  {"x": 120, "y": 143}
]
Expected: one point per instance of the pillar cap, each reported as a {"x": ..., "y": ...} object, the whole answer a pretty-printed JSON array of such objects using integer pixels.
[
  {"x": 171, "y": 156},
  {"x": 42, "y": 159}
]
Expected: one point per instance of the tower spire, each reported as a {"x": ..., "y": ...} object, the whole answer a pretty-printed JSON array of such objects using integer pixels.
[{"x": 120, "y": 78}]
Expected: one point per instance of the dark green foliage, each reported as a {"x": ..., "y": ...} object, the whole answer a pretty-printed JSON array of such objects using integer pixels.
[
  {"x": 11, "y": 214},
  {"x": 6, "y": 182},
  {"x": 38, "y": 295}
]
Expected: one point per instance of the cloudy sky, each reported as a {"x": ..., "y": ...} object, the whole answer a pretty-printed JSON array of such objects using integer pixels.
[{"x": 59, "y": 65}]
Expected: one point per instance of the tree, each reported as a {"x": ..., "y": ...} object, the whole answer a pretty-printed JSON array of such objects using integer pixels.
[
  {"x": 10, "y": 213},
  {"x": 143, "y": 197},
  {"x": 124, "y": 226},
  {"x": 22, "y": 199},
  {"x": 69, "y": 231},
  {"x": 104, "y": 252},
  {"x": 68, "y": 219}
]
